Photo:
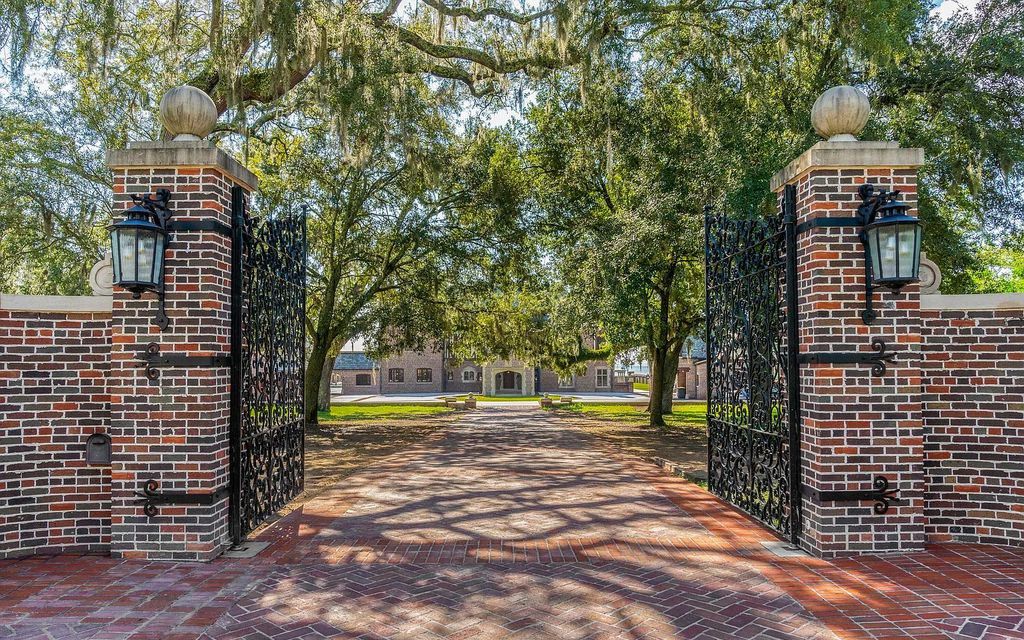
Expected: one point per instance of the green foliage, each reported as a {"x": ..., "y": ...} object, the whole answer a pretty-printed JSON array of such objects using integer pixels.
[
  {"x": 54, "y": 198},
  {"x": 1000, "y": 271}
]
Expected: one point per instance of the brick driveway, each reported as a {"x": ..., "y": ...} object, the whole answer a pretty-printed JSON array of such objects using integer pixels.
[{"x": 512, "y": 524}]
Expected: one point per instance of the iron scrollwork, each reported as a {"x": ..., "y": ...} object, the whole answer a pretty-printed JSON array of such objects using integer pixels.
[
  {"x": 268, "y": 350},
  {"x": 753, "y": 437}
]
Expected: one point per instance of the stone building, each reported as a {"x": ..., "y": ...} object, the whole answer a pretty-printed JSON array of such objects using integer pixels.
[
  {"x": 434, "y": 371},
  {"x": 691, "y": 376},
  {"x": 354, "y": 373}
]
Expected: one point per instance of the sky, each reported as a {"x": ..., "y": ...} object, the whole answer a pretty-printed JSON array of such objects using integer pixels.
[{"x": 949, "y": 7}]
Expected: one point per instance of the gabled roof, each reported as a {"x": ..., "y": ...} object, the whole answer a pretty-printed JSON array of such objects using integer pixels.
[{"x": 353, "y": 361}]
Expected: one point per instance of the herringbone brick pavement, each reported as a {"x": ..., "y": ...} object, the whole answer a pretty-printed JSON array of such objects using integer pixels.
[{"x": 516, "y": 525}]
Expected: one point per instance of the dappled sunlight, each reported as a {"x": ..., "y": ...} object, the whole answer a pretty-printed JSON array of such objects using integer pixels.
[
  {"x": 682, "y": 441},
  {"x": 509, "y": 524}
]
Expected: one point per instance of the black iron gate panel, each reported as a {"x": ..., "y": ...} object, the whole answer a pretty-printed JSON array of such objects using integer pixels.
[
  {"x": 752, "y": 374},
  {"x": 268, "y": 290}
]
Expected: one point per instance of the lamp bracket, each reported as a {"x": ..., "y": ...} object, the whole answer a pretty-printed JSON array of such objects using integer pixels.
[
  {"x": 151, "y": 497},
  {"x": 878, "y": 359},
  {"x": 881, "y": 494},
  {"x": 155, "y": 360},
  {"x": 156, "y": 205}
]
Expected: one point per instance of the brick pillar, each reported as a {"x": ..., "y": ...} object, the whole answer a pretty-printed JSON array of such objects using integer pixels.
[
  {"x": 855, "y": 426},
  {"x": 175, "y": 429}
]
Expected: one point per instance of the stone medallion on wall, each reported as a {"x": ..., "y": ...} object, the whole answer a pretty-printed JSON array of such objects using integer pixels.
[
  {"x": 930, "y": 275},
  {"x": 101, "y": 278}
]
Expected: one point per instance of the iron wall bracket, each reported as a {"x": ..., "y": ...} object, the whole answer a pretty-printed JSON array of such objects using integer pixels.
[
  {"x": 200, "y": 225},
  {"x": 151, "y": 497},
  {"x": 154, "y": 360},
  {"x": 820, "y": 223},
  {"x": 877, "y": 359},
  {"x": 881, "y": 494}
]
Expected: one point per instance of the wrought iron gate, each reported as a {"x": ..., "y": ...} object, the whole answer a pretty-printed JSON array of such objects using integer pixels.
[
  {"x": 752, "y": 373},
  {"x": 268, "y": 316}
]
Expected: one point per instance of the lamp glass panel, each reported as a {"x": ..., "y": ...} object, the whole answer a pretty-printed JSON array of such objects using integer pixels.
[
  {"x": 876, "y": 267},
  {"x": 908, "y": 239},
  {"x": 158, "y": 260},
  {"x": 126, "y": 240},
  {"x": 147, "y": 244},
  {"x": 115, "y": 257},
  {"x": 887, "y": 252},
  {"x": 905, "y": 246}
]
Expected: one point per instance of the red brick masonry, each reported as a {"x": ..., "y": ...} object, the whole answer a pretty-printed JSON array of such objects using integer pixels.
[
  {"x": 53, "y": 395},
  {"x": 516, "y": 526},
  {"x": 973, "y": 368}
]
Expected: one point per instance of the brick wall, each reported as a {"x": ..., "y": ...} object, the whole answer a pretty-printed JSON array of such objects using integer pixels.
[
  {"x": 346, "y": 380},
  {"x": 973, "y": 375},
  {"x": 53, "y": 396},
  {"x": 456, "y": 383},
  {"x": 855, "y": 426},
  {"x": 174, "y": 429},
  {"x": 409, "y": 362},
  {"x": 585, "y": 382}
]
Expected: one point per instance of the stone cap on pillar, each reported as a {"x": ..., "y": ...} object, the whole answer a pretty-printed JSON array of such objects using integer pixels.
[
  {"x": 189, "y": 115},
  {"x": 849, "y": 155},
  {"x": 838, "y": 115},
  {"x": 183, "y": 153}
]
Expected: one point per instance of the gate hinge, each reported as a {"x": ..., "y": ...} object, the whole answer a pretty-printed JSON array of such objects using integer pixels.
[
  {"x": 877, "y": 359},
  {"x": 154, "y": 360},
  {"x": 882, "y": 495},
  {"x": 151, "y": 497}
]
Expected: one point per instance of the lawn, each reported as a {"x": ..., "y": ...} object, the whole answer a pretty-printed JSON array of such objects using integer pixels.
[
  {"x": 683, "y": 441},
  {"x": 641, "y": 386}
]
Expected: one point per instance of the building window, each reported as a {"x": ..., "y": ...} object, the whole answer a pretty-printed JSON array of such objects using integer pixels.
[
  {"x": 396, "y": 375},
  {"x": 479, "y": 376},
  {"x": 468, "y": 375},
  {"x": 451, "y": 376},
  {"x": 602, "y": 377},
  {"x": 424, "y": 375},
  {"x": 566, "y": 381},
  {"x": 363, "y": 380}
]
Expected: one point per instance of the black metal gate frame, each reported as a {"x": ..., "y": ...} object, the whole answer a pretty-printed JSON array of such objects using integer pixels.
[
  {"x": 791, "y": 526},
  {"x": 259, "y": 418},
  {"x": 880, "y": 492}
]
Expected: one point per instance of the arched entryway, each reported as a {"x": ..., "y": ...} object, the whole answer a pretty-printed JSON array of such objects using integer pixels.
[{"x": 508, "y": 382}]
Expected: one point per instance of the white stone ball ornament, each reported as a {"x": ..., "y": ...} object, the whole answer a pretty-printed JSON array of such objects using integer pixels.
[
  {"x": 188, "y": 113},
  {"x": 840, "y": 113}
]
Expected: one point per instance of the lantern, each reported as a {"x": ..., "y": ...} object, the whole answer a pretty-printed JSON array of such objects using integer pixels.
[
  {"x": 894, "y": 245},
  {"x": 137, "y": 246}
]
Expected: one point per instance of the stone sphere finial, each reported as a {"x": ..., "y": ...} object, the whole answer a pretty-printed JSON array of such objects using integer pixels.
[
  {"x": 188, "y": 113},
  {"x": 840, "y": 113}
]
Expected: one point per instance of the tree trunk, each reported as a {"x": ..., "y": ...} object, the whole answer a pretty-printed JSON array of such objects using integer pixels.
[
  {"x": 324, "y": 400},
  {"x": 314, "y": 372},
  {"x": 654, "y": 402},
  {"x": 671, "y": 369}
]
